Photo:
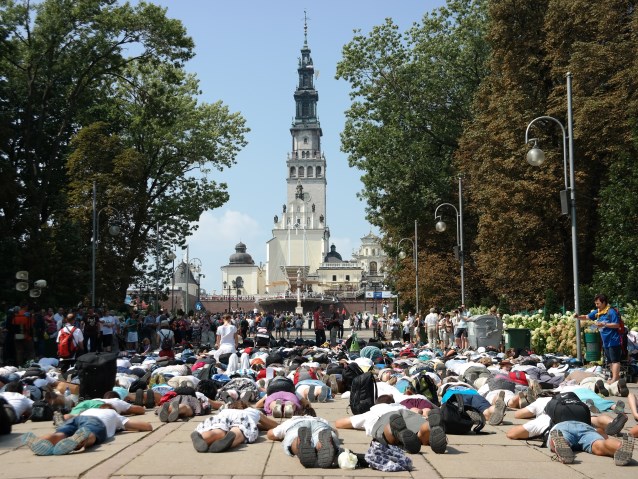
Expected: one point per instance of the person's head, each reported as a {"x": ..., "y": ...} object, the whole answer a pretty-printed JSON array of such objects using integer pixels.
[
  {"x": 13, "y": 387},
  {"x": 227, "y": 318},
  {"x": 238, "y": 405},
  {"x": 600, "y": 300},
  {"x": 70, "y": 318},
  {"x": 385, "y": 399},
  {"x": 111, "y": 395},
  {"x": 208, "y": 388}
]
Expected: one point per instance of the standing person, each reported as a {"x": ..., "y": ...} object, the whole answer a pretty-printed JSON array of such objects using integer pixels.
[
  {"x": 461, "y": 331},
  {"x": 333, "y": 326},
  {"x": 314, "y": 318},
  {"x": 70, "y": 342},
  {"x": 149, "y": 328},
  {"x": 448, "y": 327},
  {"x": 130, "y": 331},
  {"x": 23, "y": 334},
  {"x": 320, "y": 329},
  {"x": 607, "y": 321},
  {"x": 421, "y": 329},
  {"x": 411, "y": 320},
  {"x": 342, "y": 319},
  {"x": 431, "y": 322},
  {"x": 107, "y": 323},
  {"x": 227, "y": 337},
  {"x": 299, "y": 325},
  {"x": 165, "y": 339},
  {"x": 91, "y": 331}
]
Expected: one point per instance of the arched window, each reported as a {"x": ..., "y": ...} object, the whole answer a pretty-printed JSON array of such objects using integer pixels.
[
  {"x": 310, "y": 172},
  {"x": 374, "y": 252},
  {"x": 305, "y": 140},
  {"x": 293, "y": 172},
  {"x": 318, "y": 171},
  {"x": 373, "y": 267},
  {"x": 301, "y": 172}
]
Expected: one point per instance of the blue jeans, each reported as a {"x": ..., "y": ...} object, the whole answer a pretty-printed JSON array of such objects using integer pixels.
[
  {"x": 579, "y": 435},
  {"x": 93, "y": 424}
]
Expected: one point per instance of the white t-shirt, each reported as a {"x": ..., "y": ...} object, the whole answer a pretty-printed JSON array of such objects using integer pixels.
[
  {"x": 120, "y": 407},
  {"x": 280, "y": 431},
  {"x": 226, "y": 334},
  {"x": 367, "y": 420},
  {"x": 19, "y": 402},
  {"x": 431, "y": 320},
  {"x": 108, "y": 322},
  {"x": 111, "y": 419}
]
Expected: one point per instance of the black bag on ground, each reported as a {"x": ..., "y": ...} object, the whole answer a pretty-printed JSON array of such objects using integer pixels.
[
  {"x": 97, "y": 374},
  {"x": 279, "y": 384},
  {"x": 334, "y": 368},
  {"x": 248, "y": 343},
  {"x": 567, "y": 407},
  {"x": 351, "y": 371},
  {"x": 223, "y": 358},
  {"x": 5, "y": 420},
  {"x": 41, "y": 411},
  {"x": 456, "y": 419},
  {"x": 363, "y": 393},
  {"x": 275, "y": 357}
]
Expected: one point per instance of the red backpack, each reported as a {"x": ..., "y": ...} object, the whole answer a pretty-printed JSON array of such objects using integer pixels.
[
  {"x": 519, "y": 377},
  {"x": 66, "y": 343}
]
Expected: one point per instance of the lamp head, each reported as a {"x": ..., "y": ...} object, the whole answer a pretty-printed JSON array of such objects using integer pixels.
[
  {"x": 41, "y": 283},
  {"x": 402, "y": 254},
  {"x": 171, "y": 256},
  {"x": 440, "y": 226},
  {"x": 535, "y": 156},
  {"x": 114, "y": 229}
]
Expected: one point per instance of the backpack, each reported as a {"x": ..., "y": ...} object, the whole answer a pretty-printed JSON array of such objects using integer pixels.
[
  {"x": 167, "y": 342},
  {"x": 422, "y": 383},
  {"x": 519, "y": 377},
  {"x": 567, "y": 407},
  {"x": 363, "y": 393},
  {"x": 351, "y": 371},
  {"x": 278, "y": 384},
  {"x": 501, "y": 382},
  {"x": 472, "y": 373},
  {"x": 387, "y": 458},
  {"x": 624, "y": 336},
  {"x": 456, "y": 419},
  {"x": 41, "y": 411},
  {"x": 66, "y": 343},
  {"x": 304, "y": 373}
]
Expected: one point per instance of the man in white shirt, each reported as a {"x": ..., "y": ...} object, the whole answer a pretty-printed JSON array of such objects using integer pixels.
[
  {"x": 108, "y": 327},
  {"x": 431, "y": 322},
  {"x": 92, "y": 426},
  {"x": 76, "y": 342},
  {"x": 391, "y": 423},
  {"x": 59, "y": 318},
  {"x": 19, "y": 406}
]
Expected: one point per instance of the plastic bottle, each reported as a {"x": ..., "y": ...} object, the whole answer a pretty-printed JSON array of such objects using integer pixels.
[
  {"x": 67, "y": 392},
  {"x": 26, "y": 391}
]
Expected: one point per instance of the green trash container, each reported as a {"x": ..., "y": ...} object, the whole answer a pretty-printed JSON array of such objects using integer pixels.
[
  {"x": 592, "y": 347},
  {"x": 520, "y": 338}
]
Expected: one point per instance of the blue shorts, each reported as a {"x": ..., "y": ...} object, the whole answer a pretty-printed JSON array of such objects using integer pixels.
[
  {"x": 93, "y": 424},
  {"x": 579, "y": 435},
  {"x": 613, "y": 354}
]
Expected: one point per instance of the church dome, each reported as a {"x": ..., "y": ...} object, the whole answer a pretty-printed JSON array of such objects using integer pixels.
[
  {"x": 333, "y": 256},
  {"x": 240, "y": 256}
]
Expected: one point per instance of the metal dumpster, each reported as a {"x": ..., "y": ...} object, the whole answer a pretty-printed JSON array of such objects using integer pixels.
[{"x": 484, "y": 330}]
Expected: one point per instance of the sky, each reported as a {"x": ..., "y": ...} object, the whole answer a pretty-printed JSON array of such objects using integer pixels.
[{"x": 246, "y": 55}]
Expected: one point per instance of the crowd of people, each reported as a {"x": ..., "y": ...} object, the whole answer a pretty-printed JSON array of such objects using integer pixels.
[{"x": 423, "y": 390}]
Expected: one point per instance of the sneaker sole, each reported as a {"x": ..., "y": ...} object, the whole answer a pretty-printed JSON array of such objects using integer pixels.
[
  {"x": 614, "y": 427},
  {"x": 306, "y": 452},
  {"x": 289, "y": 410},
  {"x": 199, "y": 443},
  {"x": 139, "y": 397},
  {"x": 438, "y": 438},
  {"x": 562, "y": 449},
  {"x": 276, "y": 410},
  {"x": 622, "y": 457},
  {"x": 41, "y": 447},
  {"x": 163, "y": 412},
  {"x": 150, "y": 399},
  {"x": 623, "y": 390},
  {"x": 401, "y": 433},
  {"x": 174, "y": 414},
  {"x": 223, "y": 444},
  {"x": 499, "y": 413},
  {"x": 325, "y": 455}
]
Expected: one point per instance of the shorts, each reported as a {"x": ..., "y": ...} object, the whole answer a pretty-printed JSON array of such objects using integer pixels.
[
  {"x": 476, "y": 401},
  {"x": 107, "y": 340},
  {"x": 579, "y": 435},
  {"x": 613, "y": 354},
  {"x": 315, "y": 428},
  {"x": 224, "y": 423},
  {"x": 460, "y": 333},
  {"x": 93, "y": 424},
  {"x": 131, "y": 337},
  {"x": 413, "y": 421}
]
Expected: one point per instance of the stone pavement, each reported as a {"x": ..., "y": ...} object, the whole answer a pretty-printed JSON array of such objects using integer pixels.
[{"x": 167, "y": 452}]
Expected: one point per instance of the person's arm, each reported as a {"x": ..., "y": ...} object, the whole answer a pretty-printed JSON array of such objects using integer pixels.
[
  {"x": 135, "y": 410},
  {"x": 344, "y": 423},
  {"x": 266, "y": 424},
  {"x": 136, "y": 425}
]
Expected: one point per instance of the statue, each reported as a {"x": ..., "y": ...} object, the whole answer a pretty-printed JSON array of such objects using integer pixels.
[
  {"x": 284, "y": 206},
  {"x": 321, "y": 218},
  {"x": 299, "y": 193},
  {"x": 276, "y": 219},
  {"x": 313, "y": 207}
]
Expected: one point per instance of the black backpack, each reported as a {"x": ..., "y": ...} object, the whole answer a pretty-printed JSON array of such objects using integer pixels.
[
  {"x": 166, "y": 343},
  {"x": 423, "y": 384},
  {"x": 41, "y": 411},
  {"x": 280, "y": 383},
  {"x": 351, "y": 371},
  {"x": 456, "y": 419},
  {"x": 363, "y": 393},
  {"x": 567, "y": 407}
]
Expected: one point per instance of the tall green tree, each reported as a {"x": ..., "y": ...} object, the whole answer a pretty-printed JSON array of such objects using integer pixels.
[
  {"x": 411, "y": 93},
  {"x": 152, "y": 161}
]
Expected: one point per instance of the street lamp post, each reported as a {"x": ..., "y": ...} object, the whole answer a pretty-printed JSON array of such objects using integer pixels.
[
  {"x": 364, "y": 283},
  {"x": 171, "y": 257},
  {"x": 415, "y": 258},
  {"x": 441, "y": 227},
  {"x": 194, "y": 265},
  {"x": 114, "y": 230},
  {"x": 227, "y": 285},
  {"x": 536, "y": 157}
]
